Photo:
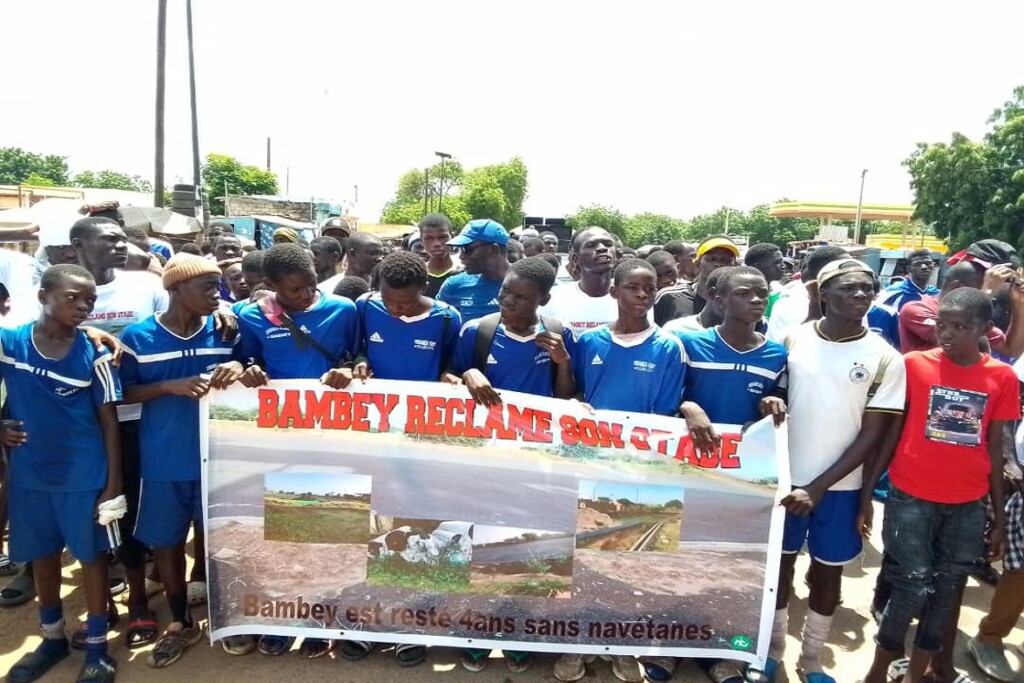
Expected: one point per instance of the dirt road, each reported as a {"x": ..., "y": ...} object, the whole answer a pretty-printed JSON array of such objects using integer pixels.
[{"x": 847, "y": 655}]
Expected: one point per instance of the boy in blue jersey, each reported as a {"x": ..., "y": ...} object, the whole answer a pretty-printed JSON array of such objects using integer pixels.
[
  {"x": 631, "y": 352},
  {"x": 731, "y": 373},
  {"x": 166, "y": 356},
  {"x": 523, "y": 354},
  {"x": 474, "y": 293},
  {"x": 59, "y": 477},
  {"x": 629, "y": 365},
  {"x": 297, "y": 332},
  {"x": 405, "y": 335}
]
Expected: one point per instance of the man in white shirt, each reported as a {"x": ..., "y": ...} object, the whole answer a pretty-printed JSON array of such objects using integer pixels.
[
  {"x": 794, "y": 306},
  {"x": 586, "y": 304}
]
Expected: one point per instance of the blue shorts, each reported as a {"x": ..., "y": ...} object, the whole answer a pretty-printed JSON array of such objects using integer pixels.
[
  {"x": 43, "y": 523},
  {"x": 829, "y": 531},
  {"x": 167, "y": 510}
]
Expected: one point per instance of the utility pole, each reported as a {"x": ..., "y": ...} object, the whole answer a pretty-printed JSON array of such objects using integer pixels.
[
  {"x": 158, "y": 147},
  {"x": 197, "y": 178},
  {"x": 268, "y": 153},
  {"x": 860, "y": 206},
  {"x": 426, "y": 191},
  {"x": 356, "y": 200},
  {"x": 440, "y": 186}
]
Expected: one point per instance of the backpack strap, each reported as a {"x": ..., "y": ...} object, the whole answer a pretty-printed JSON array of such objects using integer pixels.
[
  {"x": 554, "y": 326},
  {"x": 485, "y": 331}
]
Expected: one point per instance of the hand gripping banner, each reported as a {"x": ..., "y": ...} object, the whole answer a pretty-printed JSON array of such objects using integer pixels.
[{"x": 401, "y": 512}]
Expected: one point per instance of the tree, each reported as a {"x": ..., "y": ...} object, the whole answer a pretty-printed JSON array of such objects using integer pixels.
[
  {"x": 497, "y": 191},
  {"x": 609, "y": 218},
  {"x": 970, "y": 190},
  {"x": 222, "y": 172},
  {"x": 653, "y": 228},
  {"x": 17, "y": 166},
  {"x": 112, "y": 180}
]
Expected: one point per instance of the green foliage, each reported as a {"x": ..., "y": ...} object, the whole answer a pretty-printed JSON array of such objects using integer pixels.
[
  {"x": 315, "y": 523},
  {"x": 649, "y": 228},
  {"x": 971, "y": 190},
  {"x": 444, "y": 577},
  {"x": 17, "y": 166},
  {"x": 222, "y": 171},
  {"x": 38, "y": 180},
  {"x": 611, "y": 219},
  {"x": 234, "y": 414},
  {"x": 112, "y": 180},
  {"x": 674, "y": 504},
  {"x": 497, "y": 191}
]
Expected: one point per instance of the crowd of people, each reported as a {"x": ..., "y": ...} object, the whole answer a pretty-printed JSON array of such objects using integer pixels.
[{"x": 908, "y": 393}]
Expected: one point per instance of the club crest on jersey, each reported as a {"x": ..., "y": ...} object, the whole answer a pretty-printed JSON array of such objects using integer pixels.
[
  {"x": 644, "y": 366},
  {"x": 859, "y": 374},
  {"x": 424, "y": 344}
]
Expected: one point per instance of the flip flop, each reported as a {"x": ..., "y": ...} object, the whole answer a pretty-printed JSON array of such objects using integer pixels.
[
  {"x": 897, "y": 669},
  {"x": 33, "y": 665},
  {"x": 196, "y": 593},
  {"x": 142, "y": 632},
  {"x": 354, "y": 650},
  {"x": 20, "y": 590},
  {"x": 79, "y": 637},
  {"x": 410, "y": 655}
]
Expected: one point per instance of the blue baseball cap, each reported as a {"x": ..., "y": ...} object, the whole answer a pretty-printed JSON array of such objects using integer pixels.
[{"x": 481, "y": 230}]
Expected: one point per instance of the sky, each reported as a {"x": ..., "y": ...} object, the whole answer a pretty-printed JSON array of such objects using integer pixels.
[
  {"x": 650, "y": 494},
  {"x": 675, "y": 108},
  {"x": 320, "y": 483}
]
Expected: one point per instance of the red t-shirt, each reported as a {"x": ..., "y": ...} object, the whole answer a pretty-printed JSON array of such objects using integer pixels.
[
  {"x": 943, "y": 455},
  {"x": 917, "y": 326}
]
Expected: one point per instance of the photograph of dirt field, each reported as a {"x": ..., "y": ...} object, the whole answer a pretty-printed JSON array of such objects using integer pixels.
[
  {"x": 627, "y": 517},
  {"x": 528, "y": 562},
  {"x": 317, "y": 507},
  {"x": 423, "y": 554}
]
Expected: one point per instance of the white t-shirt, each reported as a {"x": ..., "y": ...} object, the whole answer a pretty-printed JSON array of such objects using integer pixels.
[
  {"x": 16, "y": 273},
  {"x": 132, "y": 296},
  {"x": 690, "y": 323},
  {"x": 328, "y": 285},
  {"x": 831, "y": 385},
  {"x": 789, "y": 312},
  {"x": 578, "y": 310}
]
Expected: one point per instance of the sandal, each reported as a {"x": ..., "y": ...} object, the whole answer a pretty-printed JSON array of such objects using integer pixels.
[
  {"x": 102, "y": 671},
  {"x": 7, "y": 568},
  {"x": 142, "y": 631},
  {"x": 35, "y": 664},
  {"x": 196, "y": 593},
  {"x": 20, "y": 590},
  {"x": 474, "y": 660},
  {"x": 518, "y": 662},
  {"x": 79, "y": 636},
  {"x": 410, "y": 655},
  {"x": 354, "y": 650},
  {"x": 313, "y": 648}
]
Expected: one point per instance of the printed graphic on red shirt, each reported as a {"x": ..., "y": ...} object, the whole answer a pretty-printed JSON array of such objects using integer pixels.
[{"x": 954, "y": 416}]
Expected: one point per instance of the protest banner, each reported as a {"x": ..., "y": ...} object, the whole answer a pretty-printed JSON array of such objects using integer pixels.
[{"x": 403, "y": 512}]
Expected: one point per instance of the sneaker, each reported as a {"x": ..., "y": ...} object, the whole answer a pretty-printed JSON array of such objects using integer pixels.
[
  {"x": 275, "y": 645},
  {"x": 570, "y": 668},
  {"x": 991, "y": 659},
  {"x": 239, "y": 645},
  {"x": 627, "y": 669},
  {"x": 172, "y": 644},
  {"x": 518, "y": 662},
  {"x": 474, "y": 659}
]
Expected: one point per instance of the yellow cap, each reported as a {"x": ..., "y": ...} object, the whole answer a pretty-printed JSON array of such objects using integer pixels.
[{"x": 717, "y": 243}]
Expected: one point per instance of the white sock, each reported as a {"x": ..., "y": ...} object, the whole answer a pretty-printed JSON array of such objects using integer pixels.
[
  {"x": 780, "y": 628},
  {"x": 817, "y": 628}
]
